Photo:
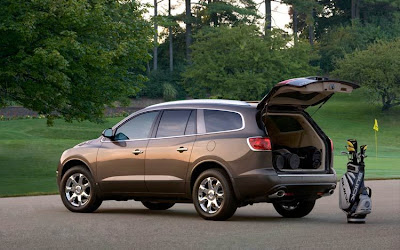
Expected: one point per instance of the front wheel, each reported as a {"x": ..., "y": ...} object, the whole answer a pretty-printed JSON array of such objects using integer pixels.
[
  {"x": 213, "y": 196},
  {"x": 295, "y": 209},
  {"x": 78, "y": 191}
]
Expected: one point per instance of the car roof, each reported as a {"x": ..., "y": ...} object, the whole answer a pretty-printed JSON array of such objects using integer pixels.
[{"x": 199, "y": 103}]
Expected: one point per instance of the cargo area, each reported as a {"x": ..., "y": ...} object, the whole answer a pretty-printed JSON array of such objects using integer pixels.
[{"x": 296, "y": 146}]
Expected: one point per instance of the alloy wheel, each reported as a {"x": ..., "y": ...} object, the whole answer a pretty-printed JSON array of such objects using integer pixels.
[
  {"x": 78, "y": 190},
  {"x": 210, "y": 195}
]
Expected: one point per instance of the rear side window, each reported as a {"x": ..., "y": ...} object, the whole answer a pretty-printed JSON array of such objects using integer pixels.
[
  {"x": 217, "y": 120},
  {"x": 173, "y": 123}
]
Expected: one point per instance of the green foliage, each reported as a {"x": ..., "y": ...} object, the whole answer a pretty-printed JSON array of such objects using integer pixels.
[
  {"x": 306, "y": 10},
  {"x": 377, "y": 68},
  {"x": 162, "y": 79},
  {"x": 380, "y": 12},
  {"x": 72, "y": 57},
  {"x": 227, "y": 12},
  {"x": 344, "y": 40},
  {"x": 239, "y": 63},
  {"x": 169, "y": 92}
]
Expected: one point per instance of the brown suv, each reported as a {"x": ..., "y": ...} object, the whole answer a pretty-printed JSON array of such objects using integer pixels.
[{"x": 218, "y": 154}]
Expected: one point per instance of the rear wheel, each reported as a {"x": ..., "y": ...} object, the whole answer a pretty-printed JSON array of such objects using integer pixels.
[
  {"x": 78, "y": 191},
  {"x": 295, "y": 209},
  {"x": 157, "y": 205},
  {"x": 213, "y": 196}
]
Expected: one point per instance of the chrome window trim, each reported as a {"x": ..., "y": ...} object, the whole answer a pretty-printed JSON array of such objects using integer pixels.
[{"x": 199, "y": 111}]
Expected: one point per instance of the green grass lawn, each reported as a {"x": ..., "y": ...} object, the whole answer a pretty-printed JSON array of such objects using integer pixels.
[
  {"x": 352, "y": 116},
  {"x": 29, "y": 150}
]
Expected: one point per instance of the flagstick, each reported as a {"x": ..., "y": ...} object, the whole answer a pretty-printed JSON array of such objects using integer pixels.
[{"x": 376, "y": 146}]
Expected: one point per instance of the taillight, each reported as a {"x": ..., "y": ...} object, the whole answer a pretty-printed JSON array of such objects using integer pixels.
[{"x": 259, "y": 143}]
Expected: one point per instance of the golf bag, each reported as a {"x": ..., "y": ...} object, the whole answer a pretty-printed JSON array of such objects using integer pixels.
[{"x": 354, "y": 197}]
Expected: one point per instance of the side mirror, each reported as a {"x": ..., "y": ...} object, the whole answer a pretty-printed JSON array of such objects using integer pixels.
[{"x": 108, "y": 133}]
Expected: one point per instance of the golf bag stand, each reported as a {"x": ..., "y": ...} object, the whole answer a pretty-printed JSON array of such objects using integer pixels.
[{"x": 354, "y": 197}]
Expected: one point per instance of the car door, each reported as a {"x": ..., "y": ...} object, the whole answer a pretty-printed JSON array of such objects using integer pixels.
[
  {"x": 168, "y": 153},
  {"x": 120, "y": 161}
]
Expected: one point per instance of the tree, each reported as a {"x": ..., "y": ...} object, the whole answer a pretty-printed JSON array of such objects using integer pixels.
[
  {"x": 188, "y": 34},
  {"x": 355, "y": 9},
  {"x": 302, "y": 13},
  {"x": 240, "y": 63},
  {"x": 171, "y": 50},
  {"x": 268, "y": 16},
  {"x": 223, "y": 12},
  {"x": 377, "y": 69},
  {"x": 344, "y": 40},
  {"x": 333, "y": 14},
  {"x": 72, "y": 58},
  {"x": 155, "y": 52}
]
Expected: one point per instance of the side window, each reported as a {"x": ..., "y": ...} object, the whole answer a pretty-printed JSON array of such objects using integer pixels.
[
  {"x": 136, "y": 128},
  {"x": 191, "y": 127},
  {"x": 173, "y": 123},
  {"x": 216, "y": 120}
]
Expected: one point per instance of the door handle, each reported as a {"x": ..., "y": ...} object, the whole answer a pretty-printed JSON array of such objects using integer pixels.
[
  {"x": 182, "y": 149},
  {"x": 137, "y": 152}
]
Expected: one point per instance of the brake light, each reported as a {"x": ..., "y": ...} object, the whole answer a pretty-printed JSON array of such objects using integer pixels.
[{"x": 259, "y": 143}]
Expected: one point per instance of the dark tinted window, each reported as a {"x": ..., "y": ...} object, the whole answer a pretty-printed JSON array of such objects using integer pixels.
[
  {"x": 191, "y": 126},
  {"x": 221, "y": 120},
  {"x": 286, "y": 123},
  {"x": 173, "y": 123},
  {"x": 137, "y": 128}
]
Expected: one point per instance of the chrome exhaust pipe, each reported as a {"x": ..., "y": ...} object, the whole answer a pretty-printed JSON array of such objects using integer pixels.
[
  {"x": 330, "y": 192},
  {"x": 278, "y": 194}
]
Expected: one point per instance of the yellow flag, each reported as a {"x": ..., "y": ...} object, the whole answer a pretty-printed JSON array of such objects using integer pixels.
[{"x": 376, "y": 128}]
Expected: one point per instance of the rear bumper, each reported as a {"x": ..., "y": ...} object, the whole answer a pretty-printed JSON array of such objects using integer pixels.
[{"x": 260, "y": 183}]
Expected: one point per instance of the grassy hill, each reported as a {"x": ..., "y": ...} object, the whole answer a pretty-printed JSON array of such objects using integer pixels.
[
  {"x": 352, "y": 116},
  {"x": 29, "y": 151}
]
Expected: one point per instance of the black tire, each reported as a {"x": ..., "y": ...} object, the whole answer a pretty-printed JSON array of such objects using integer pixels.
[
  {"x": 90, "y": 204},
  {"x": 157, "y": 205},
  {"x": 296, "y": 209},
  {"x": 228, "y": 204}
]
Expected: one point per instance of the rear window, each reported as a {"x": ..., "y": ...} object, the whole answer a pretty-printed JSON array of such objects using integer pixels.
[
  {"x": 173, "y": 123},
  {"x": 286, "y": 123},
  {"x": 216, "y": 120}
]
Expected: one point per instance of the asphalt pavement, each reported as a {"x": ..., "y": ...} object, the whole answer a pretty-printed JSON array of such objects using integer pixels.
[{"x": 42, "y": 222}]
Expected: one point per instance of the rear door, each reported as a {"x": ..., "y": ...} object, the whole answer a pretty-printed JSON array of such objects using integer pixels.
[
  {"x": 168, "y": 152},
  {"x": 300, "y": 93}
]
